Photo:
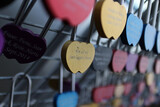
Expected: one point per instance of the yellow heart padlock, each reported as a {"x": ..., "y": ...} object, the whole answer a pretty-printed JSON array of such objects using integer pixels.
[
  {"x": 119, "y": 90},
  {"x": 140, "y": 102},
  {"x": 110, "y": 18},
  {"x": 90, "y": 105},
  {"x": 116, "y": 102},
  {"x": 77, "y": 56},
  {"x": 149, "y": 78}
]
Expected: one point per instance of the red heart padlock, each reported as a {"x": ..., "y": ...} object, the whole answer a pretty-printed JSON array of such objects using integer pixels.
[
  {"x": 157, "y": 66},
  {"x": 72, "y": 11},
  {"x": 109, "y": 91},
  {"x": 152, "y": 99},
  {"x": 141, "y": 87},
  {"x": 143, "y": 64},
  {"x": 103, "y": 93},
  {"x": 119, "y": 60},
  {"x": 98, "y": 94},
  {"x": 127, "y": 88}
]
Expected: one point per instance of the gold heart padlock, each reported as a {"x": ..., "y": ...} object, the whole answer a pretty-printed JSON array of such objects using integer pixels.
[
  {"x": 77, "y": 56},
  {"x": 116, "y": 102},
  {"x": 149, "y": 78},
  {"x": 110, "y": 18}
]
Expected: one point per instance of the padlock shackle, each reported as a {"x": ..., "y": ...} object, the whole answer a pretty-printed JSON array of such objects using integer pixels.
[
  {"x": 118, "y": 44},
  {"x": 24, "y": 15},
  {"x": 61, "y": 78},
  {"x": 140, "y": 9},
  {"x": 73, "y": 82},
  {"x": 97, "y": 79},
  {"x": 155, "y": 11},
  {"x": 73, "y": 34},
  {"x": 91, "y": 25},
  {"x": 158, "y": 16},
  {"x": 98, "y": 40},
  {"x": 28, "y": 89},
  {"x": 90, "y": 28},
  {"x": 148, "y": 11},
  {"x": 47, "y": 26},
  {"x": 21, "y": 10},
  {"x": 130, "y": 9}
]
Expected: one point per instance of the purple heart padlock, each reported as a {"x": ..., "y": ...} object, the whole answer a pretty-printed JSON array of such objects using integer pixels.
[
  {"x": 131, "y": 62},
  {"x": 1, "y": 42},
  {"x": 22, "y": 44}
]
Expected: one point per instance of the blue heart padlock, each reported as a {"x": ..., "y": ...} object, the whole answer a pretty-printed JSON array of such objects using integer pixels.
[
  {"x": 66, "y": 99},
  {"x": 156, "y": 48},
  {"x": 147, "y": 40},
  {"x": 134, "y": 26}
]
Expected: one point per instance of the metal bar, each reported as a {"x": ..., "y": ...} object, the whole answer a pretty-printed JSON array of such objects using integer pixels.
[
  {"x": 73, "y": 35},
  {"x": 61, "y": 78},
  {"x": 98, "y": 40},
  {"x": 24, "y": 92},
  {"x": 73, "y": 81},
  {"x": 97, "y": 79},
  {"x": 24, "y": 15},
  {"x": 38, "y": 102},
  {"x": 45, "y": 101},
  {"x": 90, "y": 28},
  {"x": 4, "y": 17},
  {"x": 46, "y": 27},
  {"x": 32, "y": 77},
  {"x": 42, "y": 77},
  {"x": 155, "y": 13},
  {"x": 50, "y": 58},
  {"x": 148, "y": 11},
  {"x": 21, "y": 10},
  {"x": 140, "y": 9},
  {"x": 131, "y": 3},
  {"x": 158, "y": 25}
]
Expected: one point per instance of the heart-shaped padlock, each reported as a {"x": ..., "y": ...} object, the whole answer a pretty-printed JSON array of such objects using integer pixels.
[
  {"x": 20, "y": 43},
  {"x": 110, "y": 18},
  {"x": 134, "y": 26},
  {"x": 77, "y": 56},
  {"x": 67, "y": 10}
]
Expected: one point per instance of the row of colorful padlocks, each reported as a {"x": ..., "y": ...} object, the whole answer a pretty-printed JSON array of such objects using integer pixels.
[
  {"x": 122, "y": 80},
  {"x": 112, "y": 22}
]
